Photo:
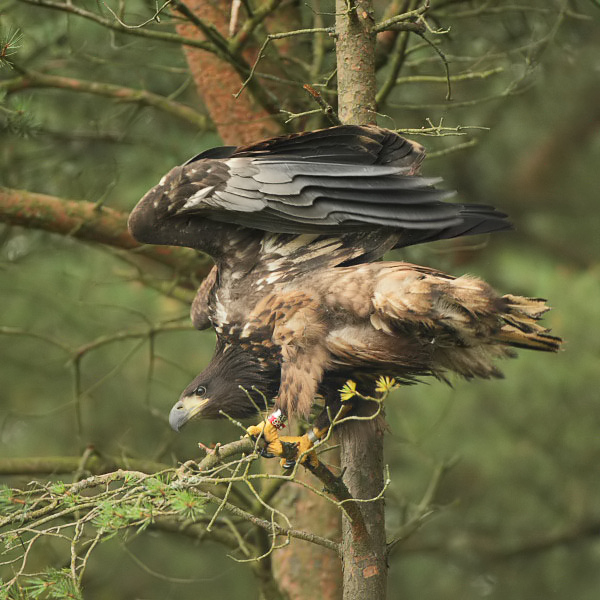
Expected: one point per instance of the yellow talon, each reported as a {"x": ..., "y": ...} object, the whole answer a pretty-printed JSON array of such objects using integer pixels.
[
  {"x": 289, "y": 448},
  {"x": 269, "y": 434},
  {"x": 302, "y": 451}
]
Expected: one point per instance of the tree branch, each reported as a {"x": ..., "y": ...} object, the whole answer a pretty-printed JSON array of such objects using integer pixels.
[
  {"x": 244, "y": 446},
  {"x": 231, "y": 538},
  {"x": 239, "y": 40},
  {"x": 397, "y": 61},
  {"x": 56, "y": 465},
  {"x": 196, "y": 531},
  {"x": 534, "y": 545},
  {"x": 272, "y": 526},
  {"x": 218, "y": 74},
  {"x": 90, "y": 223},
  {"x": 400, "y": 21},
  {"x": 32, "y": 79},
  {"x": 333, "y": 485},
  {"x": 247, "y": 446},
  {"x": 114, "y": 24},
  {"x": 217, "y": 46},
  {"x": 490, "y": 550}
]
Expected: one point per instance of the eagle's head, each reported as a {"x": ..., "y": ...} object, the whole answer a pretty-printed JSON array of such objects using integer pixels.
[{"x": 233, "y": 384}]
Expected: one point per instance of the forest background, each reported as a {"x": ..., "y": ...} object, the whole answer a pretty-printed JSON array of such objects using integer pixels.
[{"x": 95, "y": 344}]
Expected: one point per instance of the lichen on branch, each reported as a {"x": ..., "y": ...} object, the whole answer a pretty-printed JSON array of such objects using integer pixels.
[{"x": 86, "y": 221}]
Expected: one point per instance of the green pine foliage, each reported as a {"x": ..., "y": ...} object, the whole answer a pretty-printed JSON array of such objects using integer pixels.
[
  {"x": 54, "y": 583},
  {"x": 122, "y": 504}
]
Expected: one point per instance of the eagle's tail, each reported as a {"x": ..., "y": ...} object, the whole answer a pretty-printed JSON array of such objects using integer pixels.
[{"x": 521, "y": 328}]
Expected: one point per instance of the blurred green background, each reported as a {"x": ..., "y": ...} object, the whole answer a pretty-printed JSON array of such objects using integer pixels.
[{"x": 518, "y": 513}]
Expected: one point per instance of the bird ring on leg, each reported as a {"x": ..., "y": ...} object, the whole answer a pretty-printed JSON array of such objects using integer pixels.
[{"x": 277, "y": 419}]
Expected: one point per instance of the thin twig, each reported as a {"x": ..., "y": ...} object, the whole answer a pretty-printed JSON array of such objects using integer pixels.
[
  {"x": 424, "y": 510},
  {"x": 455, "y": 148},
  {"x": 154, "y": 17},
  {"x": 396, "y": 21},
  {"x": 240, "y": 39},
  {"x": 32, "y": 79},
  {"x": 274, "y": 527},
  {"x": 444, "y": 61},
  {"x": 326, "y": 108},
  {"x": 468, "y": 76},
  {"x": 278, "y": 36},
  {"x": 163, "y": 36}
]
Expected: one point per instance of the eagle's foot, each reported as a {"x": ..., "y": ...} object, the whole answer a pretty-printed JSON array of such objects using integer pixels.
[
  {"x": 301, "y": 450},
  {"x": 289, "y": 448},
  {"x": 270, "y": 435},
  {"x": 269, "y": 431}
]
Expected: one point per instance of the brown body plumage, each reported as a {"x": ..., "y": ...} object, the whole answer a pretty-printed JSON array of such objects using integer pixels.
[
  {"x": 311, "y": 334},
  {"x": 298, "y": 313}
]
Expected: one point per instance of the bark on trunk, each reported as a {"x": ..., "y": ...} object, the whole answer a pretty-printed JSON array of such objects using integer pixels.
[
  {"x": 302, "y": 569},
  {"x": 364, "y": 561},
  {"x": 355, "y": 62},
  {"x": 363, "y": 552},
  {"x": 238, "y": 121}
]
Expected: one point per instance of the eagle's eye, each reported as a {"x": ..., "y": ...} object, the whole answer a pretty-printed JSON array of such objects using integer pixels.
[{"x": 200, "y": 390}]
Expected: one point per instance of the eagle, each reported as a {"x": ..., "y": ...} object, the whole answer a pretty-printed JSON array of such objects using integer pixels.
[{"x": 299, "y": 297}]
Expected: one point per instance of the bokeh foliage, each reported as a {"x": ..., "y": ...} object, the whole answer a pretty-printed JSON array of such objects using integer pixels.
[{"x": 516, "y": 511}]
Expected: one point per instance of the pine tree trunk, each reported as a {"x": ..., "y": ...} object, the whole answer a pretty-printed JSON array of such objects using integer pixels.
[
  {"x": 363, "y": 549},
  {"x": 302, "y": 569},
  {"x": 356, "y": 62},
  {"x": 239, "y": 121}
]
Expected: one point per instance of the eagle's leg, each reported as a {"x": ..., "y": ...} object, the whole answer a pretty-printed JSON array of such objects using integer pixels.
[
  {"x": 288, "y": 448},
  {"x": 294, "y": 448},
  {"x": 301, "y": 371},
  {"x": 269, "y": 431},
  {"x": 320, "y": 429}
]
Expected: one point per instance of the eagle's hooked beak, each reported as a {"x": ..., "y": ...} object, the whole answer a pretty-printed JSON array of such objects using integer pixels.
[{"x": 185, "y": 409}]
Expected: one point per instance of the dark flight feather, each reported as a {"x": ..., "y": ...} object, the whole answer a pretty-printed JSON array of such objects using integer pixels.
[{"x": 332, "y": 181}]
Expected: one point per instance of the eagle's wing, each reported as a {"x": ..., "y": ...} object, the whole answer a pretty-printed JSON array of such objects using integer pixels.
[
  {"x": 331, "y": 181},
  {"x": 200, "y": 309}
]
